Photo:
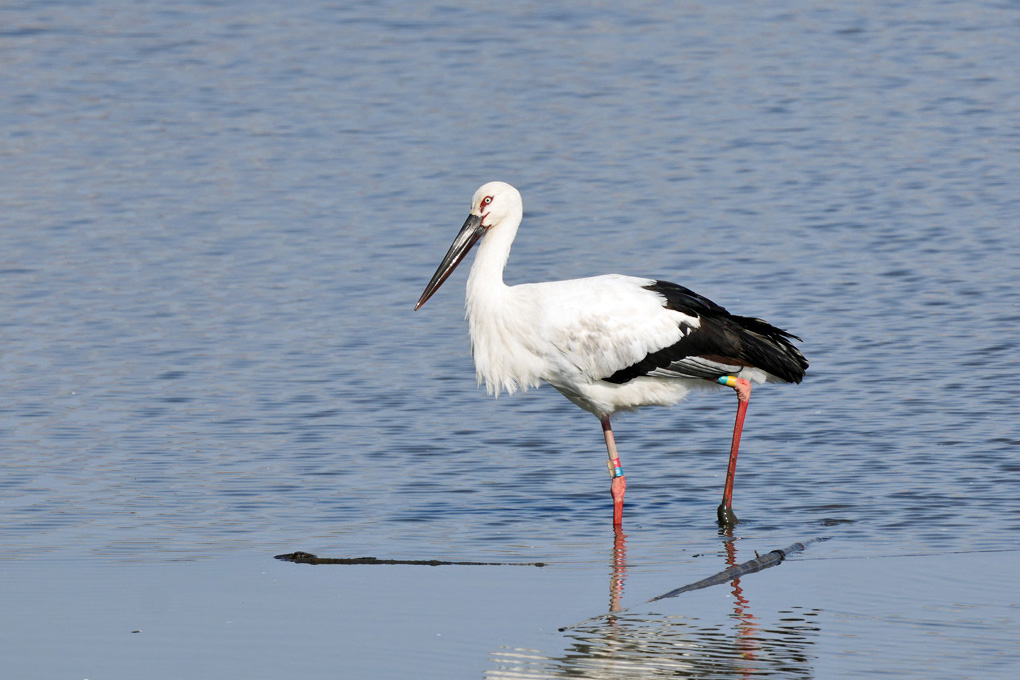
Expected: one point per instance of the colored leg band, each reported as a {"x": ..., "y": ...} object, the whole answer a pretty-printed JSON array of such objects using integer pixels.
[
  {"x": 727, "y": 380},
  {"x": 614, "y": 468}
]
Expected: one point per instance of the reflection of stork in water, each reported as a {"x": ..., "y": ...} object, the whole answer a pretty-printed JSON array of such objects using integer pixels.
[
  {"x": 741, "y": 605},
  {"x": 746, "y": 644},
  {"x": 607, "y": 343},
  {"x": 620, "y": 645}
]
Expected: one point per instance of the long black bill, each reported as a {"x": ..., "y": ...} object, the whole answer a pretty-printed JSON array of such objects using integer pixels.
[{"x": 468, "y": 236}]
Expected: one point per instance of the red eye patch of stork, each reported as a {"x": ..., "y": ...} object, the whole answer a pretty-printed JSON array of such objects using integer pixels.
[{"x": 482, "y": 206}]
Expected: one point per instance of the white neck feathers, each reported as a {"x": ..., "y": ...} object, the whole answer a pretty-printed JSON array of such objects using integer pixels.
[{"x": 497, "y": 318}]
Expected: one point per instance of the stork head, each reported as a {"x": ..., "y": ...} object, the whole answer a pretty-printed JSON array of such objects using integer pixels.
[{"x": 493, "y": 205}]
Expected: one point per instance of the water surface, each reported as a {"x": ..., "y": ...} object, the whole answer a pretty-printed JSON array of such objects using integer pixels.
[{"x": 216, "y": 221}]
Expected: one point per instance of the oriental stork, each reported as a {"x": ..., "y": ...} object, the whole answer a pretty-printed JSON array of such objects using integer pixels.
[{"x": 607, "y": 343}]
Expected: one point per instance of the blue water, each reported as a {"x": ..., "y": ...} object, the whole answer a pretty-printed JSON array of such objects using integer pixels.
[{"x": 215, "y": 219}]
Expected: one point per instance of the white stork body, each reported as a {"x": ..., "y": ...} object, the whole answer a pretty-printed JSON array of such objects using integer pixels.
[
  {"x": 608, "y": 343},
  {"x": 573, "y": 333}
]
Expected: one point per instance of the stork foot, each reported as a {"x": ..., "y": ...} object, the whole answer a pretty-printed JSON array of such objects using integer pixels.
[{"x": 727, "y": 518}]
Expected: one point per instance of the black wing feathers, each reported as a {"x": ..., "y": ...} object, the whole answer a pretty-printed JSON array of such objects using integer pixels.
[{"x": 722, "y": 338}]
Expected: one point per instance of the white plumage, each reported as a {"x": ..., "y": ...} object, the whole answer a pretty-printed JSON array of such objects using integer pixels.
[{"x": 607, "y": 343}]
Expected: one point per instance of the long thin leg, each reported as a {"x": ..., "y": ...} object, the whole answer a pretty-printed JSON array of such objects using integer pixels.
[
  {"x": 619, "y": 485},
  {"x": 727, "y": 518}
]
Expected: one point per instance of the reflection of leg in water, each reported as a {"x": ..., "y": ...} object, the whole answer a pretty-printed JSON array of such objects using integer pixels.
[
  {"x": 747, "y": 642},
  {"x": 619, "y": 573}
]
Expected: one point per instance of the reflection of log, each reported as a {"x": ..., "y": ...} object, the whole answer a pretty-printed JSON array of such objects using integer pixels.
[
  {"x": 760, "y": 562},
  {"x": 308, "y": 558}
]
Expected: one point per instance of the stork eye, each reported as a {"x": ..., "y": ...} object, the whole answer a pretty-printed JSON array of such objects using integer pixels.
[{"x": 486, "y": 201}]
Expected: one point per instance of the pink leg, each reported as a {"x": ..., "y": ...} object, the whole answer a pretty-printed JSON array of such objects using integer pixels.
[
  {"x": 727, "y": 518},
  {"x": 619, "y": 486}
]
